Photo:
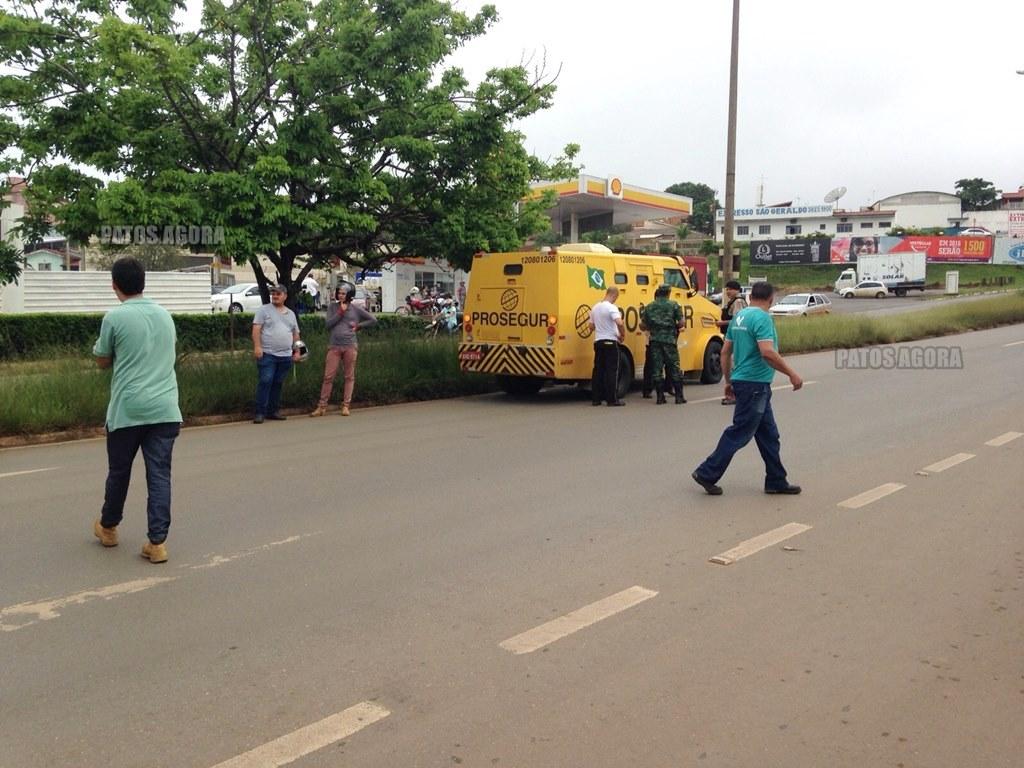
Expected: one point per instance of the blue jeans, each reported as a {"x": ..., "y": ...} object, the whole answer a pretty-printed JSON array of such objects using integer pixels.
[
  {"x": 752, "y": 418},
  {"x": 157, "y": 442},
  {"x": 272, "y": 370}
]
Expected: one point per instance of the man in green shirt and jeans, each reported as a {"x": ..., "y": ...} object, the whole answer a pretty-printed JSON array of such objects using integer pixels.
[
  {"x": 752, "y": 343},
  {"x": 137, "y": 338}
]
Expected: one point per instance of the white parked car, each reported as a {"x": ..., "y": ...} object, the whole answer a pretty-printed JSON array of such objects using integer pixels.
[
  {"x": 244, "y": 297},
  {"x": 801, "y": 305},
  {"x": 865, "y": 289},
  {"x": 974, "y": 232}
]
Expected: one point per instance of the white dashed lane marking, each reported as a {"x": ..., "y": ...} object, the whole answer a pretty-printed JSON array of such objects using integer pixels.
[
  {"x": 756, "y": 544},
  {"x": 952, "y": 461},
  {"x": 1014, "y": 344},
  {"x": 863, "y": 499},
  {"x": 1004, "y": 438},
  {"x": 547, "y": 633},
  {"x": 27, "y": 472},
  {"x": 309, "y": 739}
]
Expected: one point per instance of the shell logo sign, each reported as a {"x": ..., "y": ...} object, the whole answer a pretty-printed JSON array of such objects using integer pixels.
[{"x": 614, "y": 187}]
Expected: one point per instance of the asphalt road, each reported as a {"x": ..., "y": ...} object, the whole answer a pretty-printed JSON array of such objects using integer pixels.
[
  {"x": 892, "y": 305},
  {"x": 486, "y": 582}
]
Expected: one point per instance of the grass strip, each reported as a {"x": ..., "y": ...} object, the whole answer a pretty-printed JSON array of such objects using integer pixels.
[
  {"x": 70, "y": 393},
  {"x": 811, "y": 334}
]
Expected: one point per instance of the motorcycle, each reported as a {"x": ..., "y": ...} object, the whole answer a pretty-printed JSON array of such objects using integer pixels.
[
  {"x": 415, "y": 305},
  {"x": 446, "y": 320}
]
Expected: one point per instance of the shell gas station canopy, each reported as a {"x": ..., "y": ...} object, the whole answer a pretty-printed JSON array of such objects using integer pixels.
[{"x": 590, "y": 202}]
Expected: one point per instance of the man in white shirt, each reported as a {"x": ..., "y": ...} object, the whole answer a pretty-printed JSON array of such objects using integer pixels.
[{"x": 609, "y": 332}]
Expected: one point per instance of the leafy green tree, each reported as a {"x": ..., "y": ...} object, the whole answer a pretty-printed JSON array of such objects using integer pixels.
[
  {"x": 153, "y": 256},
  {"x": 702, "y": 218},
  {"x": 10, "y": 263},
  {"x": 309, "y": 131},
  {"x": 976, "y": 194}
]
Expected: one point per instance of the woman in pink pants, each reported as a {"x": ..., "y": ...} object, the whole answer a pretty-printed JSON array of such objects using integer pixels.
[{"x": 343, "y": 321}]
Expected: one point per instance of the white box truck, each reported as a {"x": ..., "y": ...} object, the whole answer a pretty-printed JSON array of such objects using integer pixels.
[{"x": 900, "y": 272}]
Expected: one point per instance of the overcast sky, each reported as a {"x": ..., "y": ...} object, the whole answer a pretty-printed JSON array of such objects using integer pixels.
[{"x": 878, "y": 96}]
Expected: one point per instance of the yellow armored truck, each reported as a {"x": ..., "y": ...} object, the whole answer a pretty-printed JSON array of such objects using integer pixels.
[{"x": 526, "y": 315}]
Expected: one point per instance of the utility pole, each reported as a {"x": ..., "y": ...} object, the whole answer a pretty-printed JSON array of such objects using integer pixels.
[{"x": 730, "y": 160}]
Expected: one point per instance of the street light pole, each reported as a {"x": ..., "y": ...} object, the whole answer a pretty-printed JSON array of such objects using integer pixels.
[{"x": 730, "y": 160}]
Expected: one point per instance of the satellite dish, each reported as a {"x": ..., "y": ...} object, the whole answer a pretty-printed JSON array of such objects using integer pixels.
[{"x": 835, "y": 194}]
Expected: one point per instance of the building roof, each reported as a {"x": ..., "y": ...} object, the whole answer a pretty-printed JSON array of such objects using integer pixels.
[
  {"x": 1018, "y": 195},
  {"x": 873, "y": 212},
  {"x": 918, "y": 197},
  {"x": 627, "y": 203}
]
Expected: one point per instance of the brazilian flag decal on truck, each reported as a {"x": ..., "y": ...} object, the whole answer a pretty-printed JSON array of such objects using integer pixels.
[{"x": 595, "y": 278}]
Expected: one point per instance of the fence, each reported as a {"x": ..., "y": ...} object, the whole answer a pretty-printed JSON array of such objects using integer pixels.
[{"x": 180, "y": 292}]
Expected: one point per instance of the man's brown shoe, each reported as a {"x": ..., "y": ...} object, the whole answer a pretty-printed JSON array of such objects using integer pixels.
[
  {"x": 155, "y": 553},
  {"x": 107, "y": 536}
]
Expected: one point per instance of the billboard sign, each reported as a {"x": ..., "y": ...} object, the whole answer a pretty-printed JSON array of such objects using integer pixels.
[
  {"x": 1015, "y": 227},
  {"x": 782, "y": 212},
  {"x": 1008, "y": 251},
  {"x": 948, "y": 249},
  {"x": 769, "y": 252}
]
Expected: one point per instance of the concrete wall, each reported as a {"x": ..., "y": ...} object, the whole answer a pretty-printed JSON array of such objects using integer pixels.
[
  {"x": 91, "y": 292},
  {"x": 9, "y": 218},
  {"x": 938, "y": 214},
  {"x": 996, "y": 222}
]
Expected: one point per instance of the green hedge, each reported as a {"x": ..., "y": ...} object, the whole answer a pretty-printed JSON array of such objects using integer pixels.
[{"x": 37, "y": 335}]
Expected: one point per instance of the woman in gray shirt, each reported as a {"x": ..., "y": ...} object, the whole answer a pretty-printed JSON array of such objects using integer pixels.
[{"x": 343, "y": 321}]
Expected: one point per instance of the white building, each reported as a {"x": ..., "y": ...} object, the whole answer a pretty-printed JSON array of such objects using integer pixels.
[
  {"x": 397, "y": 278},
  {"x": 917, "y": 210}
]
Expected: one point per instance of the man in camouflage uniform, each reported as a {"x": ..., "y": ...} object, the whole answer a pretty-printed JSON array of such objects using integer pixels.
[{"x": 663, "y": 319}]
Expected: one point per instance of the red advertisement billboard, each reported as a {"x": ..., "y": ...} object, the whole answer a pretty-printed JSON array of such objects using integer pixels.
[{"x": 947, "y": 249}]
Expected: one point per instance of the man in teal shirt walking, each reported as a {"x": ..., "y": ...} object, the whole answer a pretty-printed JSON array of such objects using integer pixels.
[
  {"x": 753, "y": 344},
  {"x": 137, "y": 338}
]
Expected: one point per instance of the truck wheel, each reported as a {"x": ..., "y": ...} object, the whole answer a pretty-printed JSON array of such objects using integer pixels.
[
  {"x": 900, "y": 292},
  {"x": 626, "y": 374},
  {"x": 712, "y": 371},
  {"x": 520, "y": 386}
]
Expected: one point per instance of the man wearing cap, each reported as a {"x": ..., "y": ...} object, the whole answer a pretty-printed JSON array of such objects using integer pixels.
[
  {"x": 732, "y": 303},
  {"x": 275, "y": 330},
  {"x": 663, "y": 319}
]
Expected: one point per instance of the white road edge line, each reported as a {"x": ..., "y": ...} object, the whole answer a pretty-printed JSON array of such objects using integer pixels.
[
  {"x": 1004, "y": 438},
  {"x": 756, "y": 544},
  {"x": 217, "y": 560},
  {"x": 299, "y": 743},
  {"x": 27, "y": 614},
  {"x": 43, "y": 610},
  {"x": 1014, "y": 344},
  {"x": 549, "y": 632},
  {"x": 27, "y": 472},
  {"x": 863, "y": 499},
  {"x": 774, "y": 389},
  {"x": 952, "y": 461}
]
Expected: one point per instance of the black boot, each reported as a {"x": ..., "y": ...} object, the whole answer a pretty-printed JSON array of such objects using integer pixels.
[
  {"x": 678, "y": 385},
  {"x": 661, "y": 394}
]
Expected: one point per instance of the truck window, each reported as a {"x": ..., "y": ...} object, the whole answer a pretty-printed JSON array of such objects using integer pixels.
[
  {"x": 621, "y": 278},
  {"x": 675, "y": 279},
  {"x": 643, "y": 280},
  {"x": 513, "y": 269}
]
